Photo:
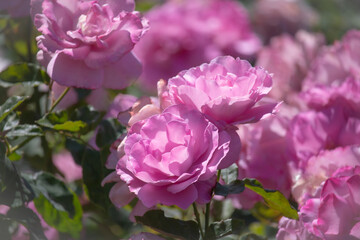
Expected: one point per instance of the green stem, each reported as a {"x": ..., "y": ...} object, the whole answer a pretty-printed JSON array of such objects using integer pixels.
[
  {"x": 207, "y": 217},
  {"x": 13, "y": 149},
  {"x": 197, "y": 216},
  {"x": 59, "y": 99}
]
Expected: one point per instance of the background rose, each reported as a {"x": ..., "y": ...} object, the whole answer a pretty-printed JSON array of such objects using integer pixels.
[
  {"x": 92, "y": 38},
  {"x": 334, "y": 212},
  {"x": 172, "y": 158},
  {"x": 185, "y": 34},
  {"x": 289, "y": 59},
  {"x": 16, "y": 8},
  {"x": 226, "y": 89}
]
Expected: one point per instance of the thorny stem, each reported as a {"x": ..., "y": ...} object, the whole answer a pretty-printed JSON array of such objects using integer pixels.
[
  {"x": 59, "y": 99},
  {"x": 197, "y": 216}
]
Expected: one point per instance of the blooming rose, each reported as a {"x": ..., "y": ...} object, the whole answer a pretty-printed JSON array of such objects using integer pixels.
[
  {"x": 226, "y": 89},
  {"x": 186, "y": 33},
  {"x": 321, "y": 167},
  {"x": 87, "y": 44},
  {"x": 172, "y": 158},
  {"x": 333, "y": 213},
  {"x": 16, "y": 8}
]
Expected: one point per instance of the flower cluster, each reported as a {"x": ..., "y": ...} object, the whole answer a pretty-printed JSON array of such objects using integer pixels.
[{"x": 172, "y": 152}]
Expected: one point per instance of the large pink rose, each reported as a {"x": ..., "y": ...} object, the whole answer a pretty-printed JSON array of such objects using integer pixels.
[
  {"x": 172, "y": 158},
  {"x": 226, "y": 89},
  {"x": 334, "y": 212},
  {"x": 87, "y": 44},
  {"x": 188, "y": 33},
  {"x": 16, "y": 8}
]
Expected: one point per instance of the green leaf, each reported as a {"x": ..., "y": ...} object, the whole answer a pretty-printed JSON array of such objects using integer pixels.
[
  {"x": 223, "y": 228},
  {"x": 23, "y": 72},
  {"x": 176, "y": 228},
  {"x": 71, "y": 126},
  {"x": 60, "y": 219},
  {"x": 234, "y": 187},
  {"x": 59, "y": 206},
  {"x": 14, "y": 190},
  {"x": 10, "y": 105},
  {"x": 29, "y": 219},
  {"x": 25, "y": 130},
  {"x": 14, "y": 157},
  {"x": 93, "y": 174},
  {"x": 59, "y": 122},
  {"x": 273, "y": 198}
]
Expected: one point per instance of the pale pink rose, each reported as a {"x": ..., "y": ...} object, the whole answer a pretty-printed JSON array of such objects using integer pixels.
[
  {"x": 321, "y": 167},
  {"x": 186, "y": 33},
  {"x": 227, "y": 90},
  {"x": 87, "y": 44},
  {"x": 345, "y": 93},
  {"x": 274, "y": 17},
  {"x": 330, "y": 213},
  {"x": 312, "y": 132},
  {"x": 16, "y": 8},
  {"x": 334, "y": 212},
  {"x": 289, "y": 58},
  {"x": 336, "y": 63},
  {"x": 172, "y": 158},
  {"x": 263, "y": 157},
  {"x": 145, "y": 236},
  {"x": 290, "y": 229},
  {"x": 65, "y": 163}
]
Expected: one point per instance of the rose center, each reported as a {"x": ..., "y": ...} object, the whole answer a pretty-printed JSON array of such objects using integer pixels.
[{"x": 95, "y": 22}]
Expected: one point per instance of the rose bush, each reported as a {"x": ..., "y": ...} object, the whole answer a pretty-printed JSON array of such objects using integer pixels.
[{"x": 93, "y": 38}]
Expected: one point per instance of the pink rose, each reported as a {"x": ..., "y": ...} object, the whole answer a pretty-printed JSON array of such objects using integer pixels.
[
  {"x": 172, "y": 158},
  {"x": 312, "y": 132},
  {"x": 336, "y": 63},
  {"x": 263, "y": 157},
  {"x": 289, "y": 58},
  {"x": 334, "y": 212},
  {"x": 185, "y": 34},
  {"x": 16, "y": 8},
  {"x": 227, "y": 90},
  {"x": 345, "y": 93},
  {"x": 87, "y": 44},
  {"x": 321, "y": 167},
  {"x": 65, "y": 163}
]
